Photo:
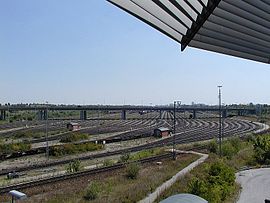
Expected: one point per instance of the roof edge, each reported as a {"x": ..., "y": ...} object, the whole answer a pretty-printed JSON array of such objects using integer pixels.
[{"x": 206, "y": 12}]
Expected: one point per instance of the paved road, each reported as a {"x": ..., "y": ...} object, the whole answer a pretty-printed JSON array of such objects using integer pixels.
[{"x": 255, "y": 185}]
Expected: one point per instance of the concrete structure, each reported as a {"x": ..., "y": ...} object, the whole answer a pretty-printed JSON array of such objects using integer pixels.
[
  {"x": 194, "y": 114},
  {"x": 42, "y": 114},
  {"x": 2, "y": 115},
  {"x": 83, "y": 115},
  {"x": 184, "y": 198},
  {"x": 224, "y": 113},
  {"x": 162, "y": 132},
  {"x": 255, "y": 185},
  {"x": 160, "y": 114},
  {"x": 73, "y": 126},
  {"x": 123, "y": 109},
  {"x": 124, "y": 115}
]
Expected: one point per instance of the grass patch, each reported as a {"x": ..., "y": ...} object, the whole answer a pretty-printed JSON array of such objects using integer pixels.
[
  {"x": 68, "y": 149},
  {"x": 209, "y": 180},
  {"x": 14, "y": 147},
  {"x": 236, "y": 154},
  {"x": 141, "y": 154},
  {"x": 119, "y": 188},
  {"x": 74, "y": 137},
  {"x": 26, "y": 135}
]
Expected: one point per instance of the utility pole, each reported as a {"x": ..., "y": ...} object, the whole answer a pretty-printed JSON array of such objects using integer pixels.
[
  {"x": 174, "y": 128},
  {"x": 220, "y": 122},
  {"x": 174, "y": 122},
  {"x": 47, "y": 144}
]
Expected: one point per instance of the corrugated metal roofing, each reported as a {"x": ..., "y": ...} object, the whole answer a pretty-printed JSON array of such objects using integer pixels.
[
  {"x": 184, "y": 198},
  {"x": 239, "y": 28}
]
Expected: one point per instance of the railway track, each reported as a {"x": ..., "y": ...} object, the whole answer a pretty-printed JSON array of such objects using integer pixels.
[
  {"x": 206, "y": 131},
  {"x": 78, "y": 174}
]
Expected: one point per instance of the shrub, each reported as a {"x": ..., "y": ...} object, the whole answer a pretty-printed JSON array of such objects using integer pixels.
[
  {"x": 15, "y": 147},
  {"x": 124, "y": 158},
  {"x": 197, "y": 186},
  {"x": 236, "y": 143},
  {"x": 73, "y": 137},
  {"x": 92, "y": 191},
  {"x": 108, "y": 162},
  {"x": 261, "y": 147},
  {"x": 74, "y": 166},
  {"x": 67, "y": 149},
  {"x": 216, "y": 185},
  {"x": 132, "y": 170},
  {"x": 213, "y": 147},
  {"x": 228, "y": 150}
]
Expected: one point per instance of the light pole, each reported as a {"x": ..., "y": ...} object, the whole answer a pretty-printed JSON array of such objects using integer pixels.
[
  {"x": 220, "y": 123},
  {"x": 47, "y": 144},
  {"x": 174, "y": 123}
]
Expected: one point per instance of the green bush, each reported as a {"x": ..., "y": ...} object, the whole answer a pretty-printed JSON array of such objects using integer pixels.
[
  {"x": 236, "y": 143},
  {"x": 67, "y": 149},
  {"x": 261, "y": 145},
  {"x": 213, "y": 146},
  {"x": 124, "y": 158},
  {"x": 228, "y": 150},
  {"x": 73, "y": 137},
  {"x": 74, "y": 166},
  {"x": 108, "y": 162},
  {"x": 145, "y": 153},
  {"x": 15, "y": 147},
  {"x": 216, "y": 185},
  {"x": 92, "y": 191},
  {"x": 132, "y": 170}
]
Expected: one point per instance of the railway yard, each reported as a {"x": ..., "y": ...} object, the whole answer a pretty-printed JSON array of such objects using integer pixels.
[{"x": 99, "y": 144}]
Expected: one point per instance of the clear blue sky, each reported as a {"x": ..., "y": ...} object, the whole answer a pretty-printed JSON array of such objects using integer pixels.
[{"x": 90, "y": 52}]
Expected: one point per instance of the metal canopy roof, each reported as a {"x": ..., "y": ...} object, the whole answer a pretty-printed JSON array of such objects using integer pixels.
[{"x": 239, "y": 28}]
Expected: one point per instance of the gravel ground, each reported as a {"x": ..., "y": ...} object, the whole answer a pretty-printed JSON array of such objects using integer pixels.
[{"x": 255, "y": 185}]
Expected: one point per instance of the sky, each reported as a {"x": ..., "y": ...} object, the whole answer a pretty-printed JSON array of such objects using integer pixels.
[{"x": 91, "y": 52}]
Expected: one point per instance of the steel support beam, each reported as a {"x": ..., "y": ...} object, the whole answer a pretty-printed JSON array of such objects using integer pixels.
[
  {"x": 194, "y": 114},
  {"x": 224, "y": 113},
  {"x": 3, "y": 115},
  {"x": 124, "y": 115}
]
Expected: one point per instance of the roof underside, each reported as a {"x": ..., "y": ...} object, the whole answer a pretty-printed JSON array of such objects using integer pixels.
[{"x": 239, "y": 28}]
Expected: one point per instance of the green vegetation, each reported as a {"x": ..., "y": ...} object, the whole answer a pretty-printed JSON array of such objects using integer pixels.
[
  {"x": 108, "y": 162},
  {"x": 29, "y": 134},
  {"x": 74, "y": 137},
  {"x": 67, "y": 149},
  {"x": 132, "y": 170},
  {"x": 261, "y": 146},
  {"x": 146, "y": 153},
  {"x": 115, "y": 186},
  {"x": 213, "y": 180},
  {"x": 229, "y": 147},
  {"x": 216, "y": 184},
  {"x": 74, "y": 166},
  {"x": 20, "y": 116},
  {"x": 124, "y": 158},
  {"x": 92, "y": 191},
  {"x": 140, "y": 155},
  {"x": 14, "y": 147}
]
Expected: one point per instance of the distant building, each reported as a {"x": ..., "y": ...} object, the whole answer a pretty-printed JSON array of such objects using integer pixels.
[
  {"x": 73, "y": 126},
  {"x": 162, "y": 132}
]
